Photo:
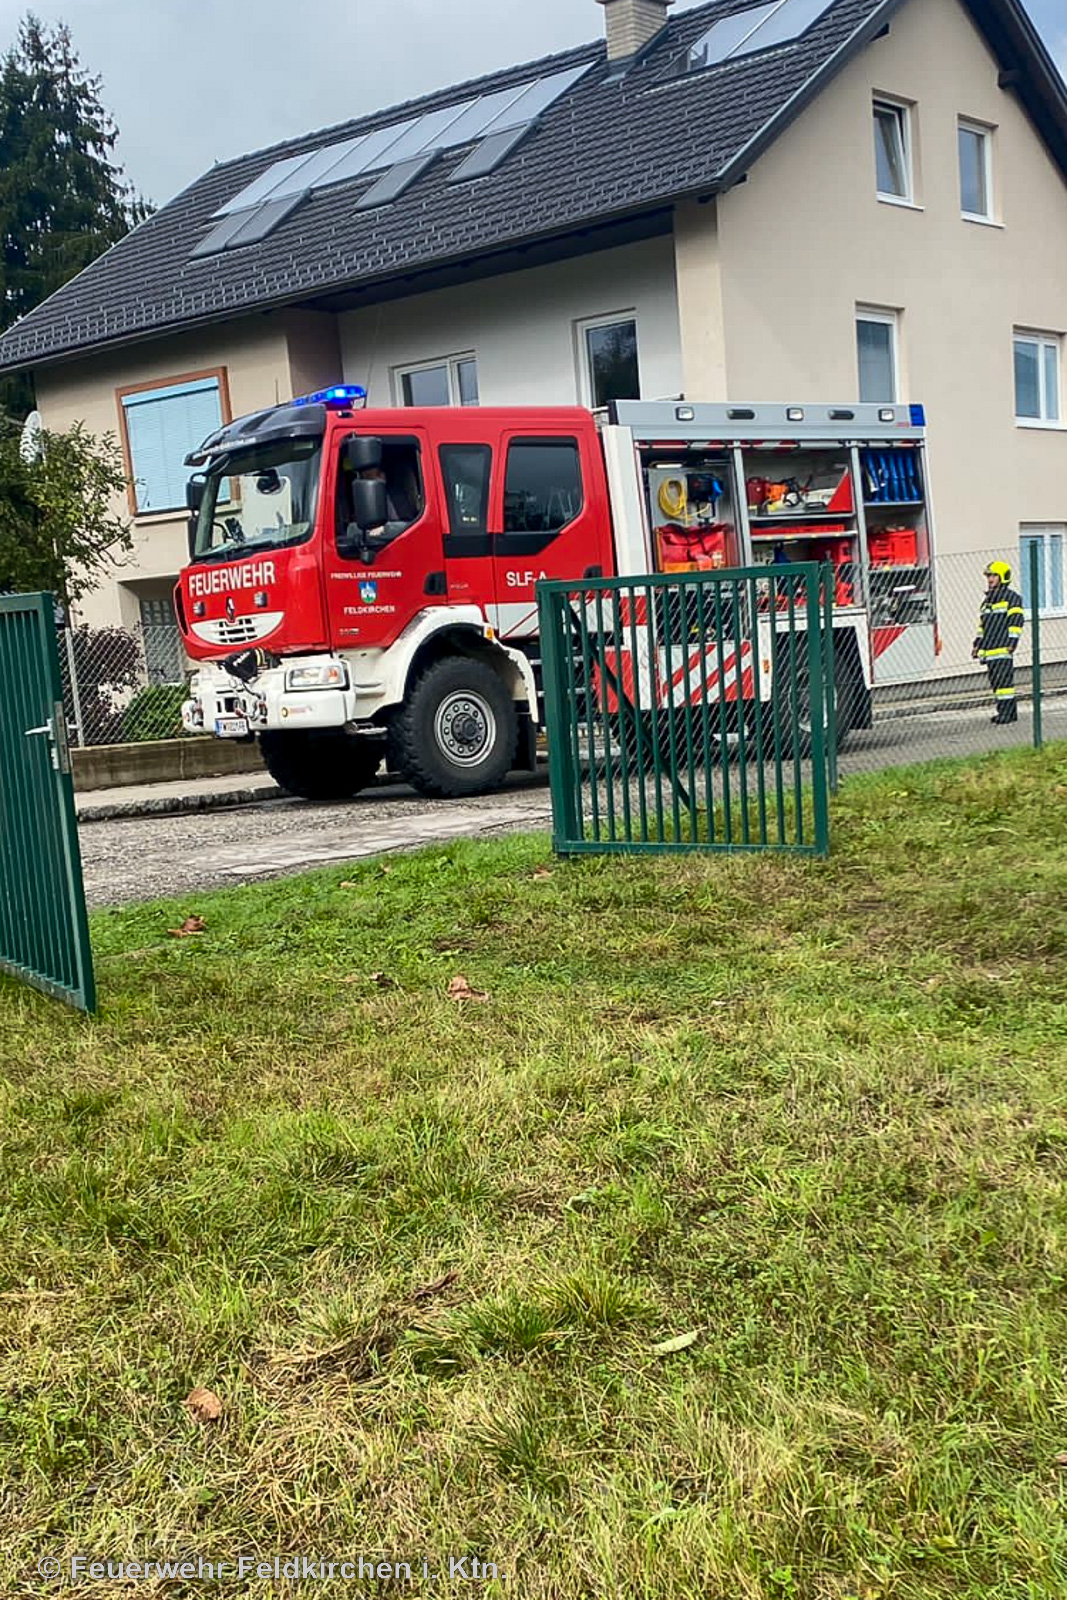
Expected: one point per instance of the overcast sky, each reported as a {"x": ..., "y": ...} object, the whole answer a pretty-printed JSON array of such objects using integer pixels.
[{"x": 191, "y": 82}]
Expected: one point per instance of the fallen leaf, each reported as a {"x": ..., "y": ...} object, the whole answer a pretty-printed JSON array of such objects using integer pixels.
[
  {"x": 383, "y": 980},
  {"x": 681, "y": 1341},
  {"x": 460, "y": 989},
  {"x": 542, "y": 872},
  {"x": 203, "y": 1406},
  {"x": 428, "y": 1290},
  {"x": 348, "y": 884},
  {"x": 190, "y": 925},
  {"x": 1061, "y": 1460}
]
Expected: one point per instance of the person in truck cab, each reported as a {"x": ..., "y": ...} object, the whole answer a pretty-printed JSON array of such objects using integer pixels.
[{"x": 402, "y": 501}]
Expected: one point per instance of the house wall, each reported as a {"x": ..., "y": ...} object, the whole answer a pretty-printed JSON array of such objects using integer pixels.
[
  {"x": 521, "y": 327},
  {"x": 805, "y": 241},
  {"x": 255, "y": 359}
]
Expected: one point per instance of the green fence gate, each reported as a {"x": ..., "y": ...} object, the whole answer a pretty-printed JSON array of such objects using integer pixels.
[
  {"x": 689, "y": 711},
  {"x": 44, "y": 933}
]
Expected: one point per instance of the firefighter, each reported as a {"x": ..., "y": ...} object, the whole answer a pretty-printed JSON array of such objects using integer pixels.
[{"x": 1000, "y": 626}]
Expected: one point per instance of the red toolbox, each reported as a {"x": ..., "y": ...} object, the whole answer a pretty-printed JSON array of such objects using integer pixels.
[
  {"x": 835, "y": 551},
  {"x": 893, "y": 547}
]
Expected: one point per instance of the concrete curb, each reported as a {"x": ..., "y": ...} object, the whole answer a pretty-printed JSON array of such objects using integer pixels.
[
  {"x": 173, "y": 805},
  {"x": 968, "y": 702}
]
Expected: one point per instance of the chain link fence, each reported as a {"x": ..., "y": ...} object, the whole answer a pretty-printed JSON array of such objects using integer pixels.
[
  {"x": 928, "y": 697},
  {"x": 122, "y": 685},
  {"x": 931, "y": 698}
]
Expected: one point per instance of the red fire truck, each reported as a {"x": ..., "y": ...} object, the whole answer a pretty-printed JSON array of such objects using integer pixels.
[{"x": 362, "y": 582}]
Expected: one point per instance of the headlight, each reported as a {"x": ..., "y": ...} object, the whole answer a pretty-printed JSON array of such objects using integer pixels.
[{"x": 332, "y": 675}]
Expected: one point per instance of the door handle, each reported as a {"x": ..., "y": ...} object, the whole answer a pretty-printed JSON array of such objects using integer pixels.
[{"x": 56, "y": 733}]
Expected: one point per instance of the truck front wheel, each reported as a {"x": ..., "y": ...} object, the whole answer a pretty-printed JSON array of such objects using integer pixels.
[
  {"x": 321, "y": 765},
  {"x": 457, "y": 731}
]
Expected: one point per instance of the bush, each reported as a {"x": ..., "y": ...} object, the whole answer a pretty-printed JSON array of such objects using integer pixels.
[{"x": 155, "y": 712}]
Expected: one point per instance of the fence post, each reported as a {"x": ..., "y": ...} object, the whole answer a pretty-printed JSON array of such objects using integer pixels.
[
  {"x": 819, "y": 717},
  {"x": 829, "y": 680},
  {"x": 1035, "y": 641},
  {"x": 75, "y": 695},
  {"x": 562, "y": 777}
]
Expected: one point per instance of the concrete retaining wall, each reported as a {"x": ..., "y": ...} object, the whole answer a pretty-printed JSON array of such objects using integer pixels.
[{"x": 107, "y": 766}]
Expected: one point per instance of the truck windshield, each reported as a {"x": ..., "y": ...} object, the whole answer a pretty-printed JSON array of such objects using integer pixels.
[{"x": 259, "y": 497}]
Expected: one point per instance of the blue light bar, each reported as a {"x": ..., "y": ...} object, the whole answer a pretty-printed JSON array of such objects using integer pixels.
[
  {"x": 342, "y": 394},
  {"x": 918, "y": 416}
]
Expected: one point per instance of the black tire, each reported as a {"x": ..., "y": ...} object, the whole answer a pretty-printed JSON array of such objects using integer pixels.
[
  {"x": 321, "y": 765},
  {"x": 456, "y": 733},
  {"x": 799, "y": 694}
]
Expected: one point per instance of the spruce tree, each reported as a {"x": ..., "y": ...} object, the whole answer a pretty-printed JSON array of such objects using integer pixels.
[{"x": 63, "y": 198}]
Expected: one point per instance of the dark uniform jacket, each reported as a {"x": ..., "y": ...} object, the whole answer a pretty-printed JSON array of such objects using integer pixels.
[{"x": 1000, "y": 623}]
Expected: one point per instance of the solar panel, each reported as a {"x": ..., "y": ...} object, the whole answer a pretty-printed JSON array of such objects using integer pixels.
[
  {"x": 261, "y": 188},
  {"x": 724, "y": 36},
  {"x": 489, "y": 154},
  {"x": 397, "y": 146},
  {"x": 757, "y": 28},
  {"x": 792, "y": 18},
  {"x": 395, "y": 181},
  {"x": 372, "y": 152},
  {"x": 317, "y": 166},
  {"x": 480, "y": 115},
  {"x": 537, "y": 97}
]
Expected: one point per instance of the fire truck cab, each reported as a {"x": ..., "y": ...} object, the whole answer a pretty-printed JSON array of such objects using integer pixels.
[{"x": 362, "y": 583}]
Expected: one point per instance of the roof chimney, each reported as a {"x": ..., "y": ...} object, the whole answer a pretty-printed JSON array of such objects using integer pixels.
[{"x": 631, "y": 24}]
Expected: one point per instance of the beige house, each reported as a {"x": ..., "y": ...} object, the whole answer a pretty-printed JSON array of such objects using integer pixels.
[{"x": 806, "y": 200}]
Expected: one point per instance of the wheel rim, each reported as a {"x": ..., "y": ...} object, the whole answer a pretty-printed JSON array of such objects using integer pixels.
[{"x": 465, "y": 728}]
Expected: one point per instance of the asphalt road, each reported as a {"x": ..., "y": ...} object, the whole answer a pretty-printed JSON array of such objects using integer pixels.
[{"x": 141, "y": 858}]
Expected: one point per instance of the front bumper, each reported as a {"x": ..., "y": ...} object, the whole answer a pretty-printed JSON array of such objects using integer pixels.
[{"x": 219, "y": 704}]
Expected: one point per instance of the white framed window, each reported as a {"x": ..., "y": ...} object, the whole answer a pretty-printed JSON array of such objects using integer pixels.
[
  {"x": 161, "y": 424},
  {"x": 607, "y": 359},
  {"x": 1051, "y": 541},
  {"x": 1037, "y": 379},
  {"x": 892, "y": 152},
  {"x": 975, "y": 142},
  {"x": 449, "y": 381},
  {"x": 876, "y": 355}
]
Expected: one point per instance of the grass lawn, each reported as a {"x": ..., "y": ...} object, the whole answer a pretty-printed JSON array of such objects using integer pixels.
[{"x": 811, "y": 1115}]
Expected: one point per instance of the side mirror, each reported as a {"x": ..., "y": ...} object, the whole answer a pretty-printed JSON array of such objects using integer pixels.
[
  {"x": 370, "y": 506},
  {"x": 194, "y": 494},
  {"x": 360, "y": 452}
]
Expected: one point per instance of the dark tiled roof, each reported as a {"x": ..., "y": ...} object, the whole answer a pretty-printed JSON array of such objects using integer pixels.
[{"x": 611, "y": 147}]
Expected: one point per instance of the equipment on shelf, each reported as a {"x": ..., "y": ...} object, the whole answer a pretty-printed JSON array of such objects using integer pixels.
[
  {"x": 688, "y": 549},
  {"x": 893, "y": 547},
  {"x": 891, "y": 477}
]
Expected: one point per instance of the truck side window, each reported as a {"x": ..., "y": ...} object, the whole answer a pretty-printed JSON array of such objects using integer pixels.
[
  {"x": 405, "y": 500},
  {"x": 465, "y": 469},
  {"x": 542, "y": 488}
]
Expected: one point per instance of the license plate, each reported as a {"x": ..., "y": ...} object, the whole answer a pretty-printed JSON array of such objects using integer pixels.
[{"x": 231, "y": 727}]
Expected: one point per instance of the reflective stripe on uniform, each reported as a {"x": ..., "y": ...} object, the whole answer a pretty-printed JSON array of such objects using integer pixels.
[
  {"x": 995, "y": 653},
  {"x": 1004, "y": 694}
]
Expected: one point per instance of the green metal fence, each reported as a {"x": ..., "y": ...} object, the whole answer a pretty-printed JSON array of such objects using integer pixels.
[
  {"x": 688, "y": 711},
  {"x": 44, "y": 935}
]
